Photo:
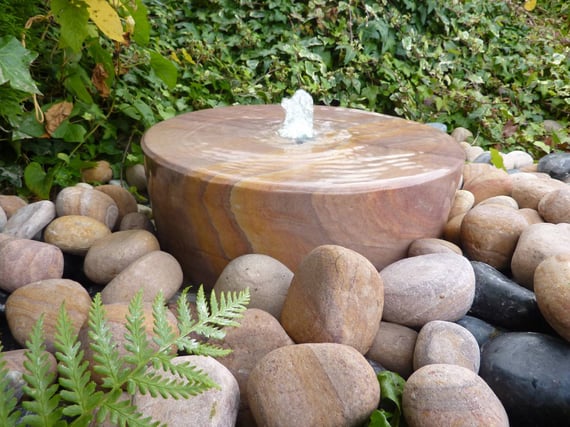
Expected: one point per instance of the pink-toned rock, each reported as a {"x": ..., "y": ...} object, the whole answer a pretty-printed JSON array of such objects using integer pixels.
[
  {"x": 536, "y": 243},
  {"x": 452, "y": 229},
  {"x": 75, "y": 234},
  {"x": 79, "y": 200},
  {"x": 489, "y": 233},
  {"x": 26, "y": 304},
  {"x": 125, "y": 201},
  {"x": 216, "y": 407},
  {"x": 393, "y": 348},
  {"x": 108, "y": 256},
  {"x": 429, "y": 287},
  {"x": 484, "y": 181},
  {"x": 25, "y": 261},
  {"x": 446, "y": 342},
  {"x": 461, "y": 134},
  {"x": 507, "y": 201},
  {"x": 10, "y": 204},
  {"x": 258, "y": 334},
  {"x": 432, "y": 246},
  {"x": 100, "y": 173},
  {"x": 152, "y": 273},
  {"x": 462, "y": 202},
  {"x": 530, "y": 188},
  {"x": 336, "y": 296},
  {"x": 554, "y": 206},
  {"x": 137, "y": 221},
  {"x": 136, "y": 177},
  {"x": 268, "y": 281},
  {"x": 449, "y": 395},
  {"x": 552, "y": 289},
  {"x": 14, "y": 360},
  {"x": 313, "y": 385},
  {"x": 531, "y": 216}
]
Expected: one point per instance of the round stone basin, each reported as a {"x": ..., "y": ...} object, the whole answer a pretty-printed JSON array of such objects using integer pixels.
[{"x": 222, "y": 183}]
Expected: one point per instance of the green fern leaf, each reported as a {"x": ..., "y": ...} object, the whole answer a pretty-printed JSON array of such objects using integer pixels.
[
  {"x": 105, "y": 353},
  {"x": 184, "y": 315},
  {"x": 136, "y": 340},
  {"x": 41, "y": 389},
  {"x": 163, "y": 331},
  {"x": 201, "y": 305},
  {"x": 8, "y": 414},
  {"x": 122, "y": 412},
  {"x": 206, "y": 349},
  {"x": 77, "y": 388}
]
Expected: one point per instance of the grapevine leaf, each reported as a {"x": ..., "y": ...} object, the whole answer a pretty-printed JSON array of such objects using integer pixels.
[
  {"x": 15, "y": 61},
  {"x": 72, "y": 16}
]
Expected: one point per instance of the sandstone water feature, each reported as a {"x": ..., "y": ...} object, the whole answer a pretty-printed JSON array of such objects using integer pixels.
[{"x": 223, "y": 182}]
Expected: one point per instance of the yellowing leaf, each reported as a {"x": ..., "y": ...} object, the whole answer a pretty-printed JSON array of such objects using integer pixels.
[
  {"x": 530, "y": 5},
  {"x": 106, "y": 19}
]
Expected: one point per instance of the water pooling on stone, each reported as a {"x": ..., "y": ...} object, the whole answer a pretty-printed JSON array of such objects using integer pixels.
[{"x": 223, "y": 182}]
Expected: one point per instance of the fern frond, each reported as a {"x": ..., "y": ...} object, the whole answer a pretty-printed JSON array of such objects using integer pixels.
[
  {"x": 121, "y": 412},
  {"x": 105, "y": 353},
  {"x": 164, "y": 334},
  {"x": 201, "y": 304},
  {"x": 8, "y": 401},
  {"x": 205, "y": 349},
  {"x": 77, "y": 388},
  {"x": 41, "y": 386},
  {"x": 136, "y": 340},
  {"x": 184, "y": 315}
]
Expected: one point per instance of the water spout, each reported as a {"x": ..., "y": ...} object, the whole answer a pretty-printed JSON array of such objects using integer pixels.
[{"x": 298, "y": 123}]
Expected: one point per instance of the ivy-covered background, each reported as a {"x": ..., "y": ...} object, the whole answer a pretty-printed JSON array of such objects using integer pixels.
[{"x": 81, "y": 80}]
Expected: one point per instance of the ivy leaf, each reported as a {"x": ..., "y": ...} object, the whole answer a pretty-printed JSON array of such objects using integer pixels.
[
  {"x": 72, "y": 17},
  {"x": 139, "y": 13},
  {"x": 37, "y": 180},
  {"x": 15, "y": 61},
  {"x": 164, "y": 69},
  {"x": 106, "y": 19}
]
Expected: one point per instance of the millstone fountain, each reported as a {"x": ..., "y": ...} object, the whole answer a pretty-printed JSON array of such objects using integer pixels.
[{"x": 235, "y": 180}]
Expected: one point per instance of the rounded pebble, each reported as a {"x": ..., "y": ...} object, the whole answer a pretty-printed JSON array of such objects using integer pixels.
[
  {"x": 30, "y": 220},
  {"x": 110, "y": 255},
  {"x": 268, "y": 281},
  {"x": 442, "y": 395},
  {"x": 125, "y": 201},
  {"x": 78, "y": 200},
  {"x": 427, "y": 287},
  {"x": 432, "y": 246},
  {"x": 336, "y": 296},
  {"x": 100, "y": 173},
  {"x": 446, "y": 342},
  {"x": 313, "y": 385},
  {"x": 554, "y": 207},
  {"x": 74, "y": 234}
]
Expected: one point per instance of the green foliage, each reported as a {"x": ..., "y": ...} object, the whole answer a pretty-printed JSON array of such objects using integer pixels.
[
  {"x": 389, "y": 413},
  {"x": 75, "y": 399},
  {"x": 492, "y": 67}
]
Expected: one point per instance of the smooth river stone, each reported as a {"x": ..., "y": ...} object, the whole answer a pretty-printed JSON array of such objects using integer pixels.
[
  {"x": 554, "y": 207},
  {"x": 25, "y": 305},
  {"x": 268, "y": 281},
  {"x": 446, "y": 342},
  {"x": 74, "y": 234},
  {"x": 79, "y": 200},
  {"x": 30, "y": 220},
  {"x": 258, "y": 334},
  {"x": 11, "y": 204},
  {"x": 444, "y": 395},
  {"x": 369, "y": 182},
  {"x": 336, "y": 296},
  {"x": 552, "y": 289},
  {"x": 313, "y": 385},
  {"x": 152, "y": 273},
  {"x": 25, "y": 261},
  {"x": 429, "y": 287},
  {"x": 481, "y": 330},
  {"x": 489, "y": 233},
  {"x": 393, "y": 348},
  {"x": 484, "y": 181},
  {"x": 216, "y": 407},
  {"x": 432, "y": 246},
  {"x": 536, "y": 243},
  {"x": 101, "y": 173},
  {"x": 530, "y": 373},
  {"x": 530, "y": 188},
  {"x": 462, "y": 202},
  {"x": 503, "y": 302},
  {"x": 557, "y": 165},
  {"x": 108, "y": 256},
  {"x": 125, "y": 201}
]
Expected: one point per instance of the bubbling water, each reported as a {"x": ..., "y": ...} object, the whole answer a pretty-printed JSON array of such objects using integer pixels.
[{"x": 298, "y": 123}]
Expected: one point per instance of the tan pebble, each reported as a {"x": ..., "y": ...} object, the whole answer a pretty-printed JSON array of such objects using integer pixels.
[
  {"x": 452, "y": 230},
  {"x": 78, "y": 200},
  {"x": 531, "y": 216},
  {"x": 554, "y": 207},
  {"x": 74, "y": 234},
  {"x": 432, "y": 246},
  {"x": 500, "y": 200},
  {"x": 449, "y": 395},
  {"x": 530, "y": 188},
  {"x": 484, "y": 181},
  {"x": 10, "y": 204},
  {"x": 100, "y": 173},
  {"x": 393, "y": 348},
  {"x": 125, "y": 201},
  {"x": 462, "y": 202}
]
